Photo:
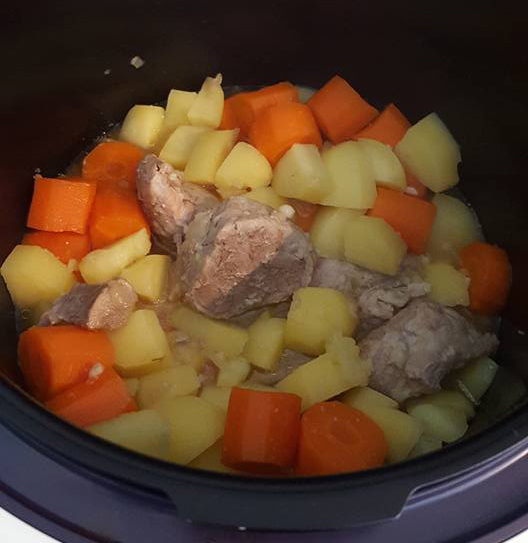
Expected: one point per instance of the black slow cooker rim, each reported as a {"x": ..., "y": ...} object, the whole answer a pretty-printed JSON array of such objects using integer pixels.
[{"x": 59, "y": 439}]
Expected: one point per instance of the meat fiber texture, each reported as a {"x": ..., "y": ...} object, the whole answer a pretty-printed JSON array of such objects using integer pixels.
[
  {"x": 412, "y": 352},
  {"x": 169, "y": 203},
  {"x": 98, "y": 307},
  {"x": 242, "y": 255},
  {"x": 378, "y": 296}
]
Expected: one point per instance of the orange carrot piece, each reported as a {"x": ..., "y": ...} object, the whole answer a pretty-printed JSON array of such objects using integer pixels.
[
  {"x": 414, "y": 186},
  {"x": 389, "y": 127},
  {"x": 54, "y": 358},
  {"x": 248, "y": 105},
  {"x": 61, "y": 205},
  {"x": 490, "y": 276},
  {"x": 229, "y": 117},
  {"x": 305, "y": 213},
  {"x": 114, "y": 163},
  {"x": 64, "y": 245},
  {"x": 278, "y": 127},
  {"x": 411, "y": 217},
  {"x": 336, "y": 438},
  {"x": 94, "y": 400},
  {"x": 115, "y": 214},
  {"x": 261, "y": 430},
  {"x": 340, "y": 111}
]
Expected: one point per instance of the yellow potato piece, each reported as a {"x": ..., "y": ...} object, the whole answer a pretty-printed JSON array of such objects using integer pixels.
[
  {"x": 370, "y": 242},
  {"x": 177, "y": 381},
  {"x": 386, "y": 167},
  {"x": 233, "y": 372},
  {"x": 178, "y": 147},
  {"x": 448, "y": 286},
  {"x": 439, "y": 421},
  {"x": 217, "y": 396},
  {"x": 315, "y": 315},
  {"x": 142, "y": 126},
  {"x": 178, "y": 105},
  {"x": 187, "y": 353},
  {"x": 207, "y": 108},
  {"x": 244, "y": 167},
  {"x": 425, "y": 444},
  {"x": 132, "y": 385},
  {"x": 139, "y": 343},
  {"x": 265, "y": 343},
  {"x": 148, "y": 277},
  {"x": 366, "y": 398},
  {"x": 429, "y": 152},
  {"x": 34, "y": 276},
  {"x": 104, "y": 264},
  {"x": 267, "y": 196},
  {"x": 352, "y": 183},
  {"x": 328, "y": 230},
  {"x": 448, "y": 398},
  {"x": 208, "y": 153},
  {"x": 211, "y": 460}
]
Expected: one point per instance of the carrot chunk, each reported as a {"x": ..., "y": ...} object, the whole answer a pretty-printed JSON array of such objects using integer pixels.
[
  {"x": 64, "y": 245},
  {"x": 389, "y": 127},
  {"x": 414, "y": 186},
  {"x": 340, "y": 111},
  {"x": 305, "y": 213}
]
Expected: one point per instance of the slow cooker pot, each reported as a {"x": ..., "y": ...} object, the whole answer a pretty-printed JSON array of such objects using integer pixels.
[{"x": 67, "y": 78}]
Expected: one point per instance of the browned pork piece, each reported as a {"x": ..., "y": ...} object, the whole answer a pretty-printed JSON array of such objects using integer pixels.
[
  {"x": 378, "y": 296},
  {"x": 416, "y": 349},
  {"x": 169, "y": 203},
  {"x": 242, "y": 255},
  {"x": 97, "y": 307}
]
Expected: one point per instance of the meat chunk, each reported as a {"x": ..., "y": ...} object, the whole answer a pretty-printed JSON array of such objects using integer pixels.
[
  {"x": 378, "y": 296},
  {"x": 414, "y": 351},
  {"x": 240, "y": 256},
  {"x": 169, "y": 203},
  {"x": 289, "y": 361},
  {"x": 97, "y": 307}
]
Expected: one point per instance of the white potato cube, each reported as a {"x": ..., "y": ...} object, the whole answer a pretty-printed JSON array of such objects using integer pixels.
[
  {"x": 148, "y": 277},
  {"x": 244, "y": 167},
  {"x": 448, "y": 398},
  {"x": 386, "y": 167},
  {"x": 142, "y": 126},
  {"x": 351, "y": 177},
  {"x": 178, "y": 105},
  {"x": 233, "y": 372},
  {"x": 448, "y": 286},
  {"x": 207, "y": 109},
  {"x": 439, "y": 421},
  {"x": 179, "y": 145},
  {"x": 104, "y": 264},
  {"x": 265, "y": 343},
  {"x": 429, "y": 152},
  {"x": 327, "y": 233},
  {"x": 267, "y": 196},
  {"x": 207, "y": 155},
  {"x": 370, "y": 242},
  {"x": 301, "y": 174},
  {"x": 455, "y": 226},
  {"x": 169, "y": 383}
]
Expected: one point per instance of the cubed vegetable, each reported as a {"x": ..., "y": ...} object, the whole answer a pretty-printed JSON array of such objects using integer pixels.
[
  {"x": 352, "y": 182},
  {"x": 142, "y": 126},
  {"x": 104, "y": 264},
  {"x": 370, "y": 242},
  {"x": 473, "y": 379},
  {"x": 215, "y": 336},
  {"x": 429, "y": 151},
  {"x": 328, "y": 230},
  {"x": 267, "y": 196},
  {"x": 178, "y": 104},
  {"x": 217, "y": 396},
  {"x": 211, "y": 460},
  {"x": 181, "y": 142},
  {"x": 33, "y": 275},
  {"x": 386, "y": 167},
  {"x": 448, "y": 285},
  {"x": 206, "y": 109},
  {"x": 148, "y": 277},
  {"x": 366, "y": 398},
  {"x": 233, "y": 372},
  {"x": 439, "y": 421},
  {"x": 448, "y": 398},
  {"x": 314, "y": 316},
  {"x": 138, "y": 343},
  {"x": 177, "y": 381},
  {"x": 208, "y": 153},
  {"x": 132, "y": 385},
  {"x": 301, "y": 174},
  {"x": 187, "y": 352},
  {"x": 265, "y": 342},
  {"x": 425, "y": 444}
]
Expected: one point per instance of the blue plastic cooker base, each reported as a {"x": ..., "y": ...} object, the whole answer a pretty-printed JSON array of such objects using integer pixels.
[{"x": 488, "y": 505}]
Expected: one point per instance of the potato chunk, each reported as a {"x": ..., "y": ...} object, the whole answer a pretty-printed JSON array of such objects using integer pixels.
[
  {"x": 267, "y": 196},
  {"x": 370, "y": 242},
  {"x": 233, "y": 372},
  {"x": 104, "y": 264},
  {"x": 328, "y": 230},
  {"x": 178, "y": 105},
  {"x": 448, "y": 285},
  {"x": 448, "y": 398},
  {"x": 439, "y": 421},
  {"x": 301, "y": 174},
  {"x": 386, "y": 167},
  {"x": 177, "y": 381},
  {"x": 315, "y": 315},
  {"x": 181, "y": 142},
  {"x": 473, "y": 379},
  {"x": 137, "y": 344},
  {"x": 187, "y": 352},
  {"x": 142, "y": 126},
  {"x": 429, "y": 152},
  {"x": 208, "y": 153},
  {"x": 244, "y": 167},
  {"x": 211, "y": 460},
  {"x": 352, "y": 183},
  {"x": 455, "y": 226},
  {"x": 148, "y": 277},
  {"x": 217, "y": 396},
  {"x": 194, "y": 426},
  {"x": 215, "y": 336},
  {"x": 207, "y": 109},
  {"x": 366, "y": 398},
  {"x": 425, "y": 444},
  {"x": 34, "y": 276},
  {"x": 142, "y": 431},
  {"x": 265, "y": 342}
]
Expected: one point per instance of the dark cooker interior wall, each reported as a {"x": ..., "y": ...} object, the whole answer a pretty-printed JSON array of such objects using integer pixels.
[{"x": 465, "y": 60}]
